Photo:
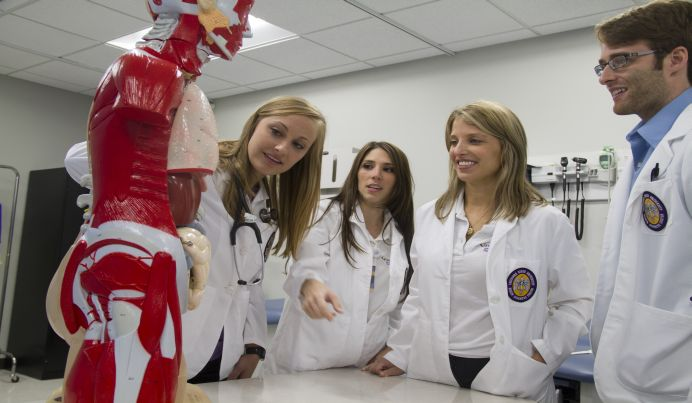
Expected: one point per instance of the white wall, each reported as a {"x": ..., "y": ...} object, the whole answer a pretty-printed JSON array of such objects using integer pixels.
[
  {"x": 549, "y": 83},
  {"x": 37, "y": 126}
]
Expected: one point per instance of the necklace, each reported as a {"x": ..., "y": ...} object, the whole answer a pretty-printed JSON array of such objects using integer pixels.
[{"x": 470, "y": 232}]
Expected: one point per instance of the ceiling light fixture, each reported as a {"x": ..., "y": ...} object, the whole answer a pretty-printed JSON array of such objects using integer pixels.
[{"x": 263, "y": 34}]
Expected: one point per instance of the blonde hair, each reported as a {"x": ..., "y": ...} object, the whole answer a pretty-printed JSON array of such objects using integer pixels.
[
  {"x": 514, "y": 193},
  {"x": 294, "y": 193}
]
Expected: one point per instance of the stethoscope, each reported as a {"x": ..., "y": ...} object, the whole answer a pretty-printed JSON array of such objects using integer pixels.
[{"x": 246, "y": 219}]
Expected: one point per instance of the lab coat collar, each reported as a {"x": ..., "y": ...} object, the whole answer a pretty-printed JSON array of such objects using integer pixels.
[
  {"x": 502, "y": 226},
  {"x": 390, "y": 234},
  {"x": 662, "y": 155}
]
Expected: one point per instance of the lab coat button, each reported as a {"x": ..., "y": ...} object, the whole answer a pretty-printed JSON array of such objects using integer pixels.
[{"x": 494, "y": 299}]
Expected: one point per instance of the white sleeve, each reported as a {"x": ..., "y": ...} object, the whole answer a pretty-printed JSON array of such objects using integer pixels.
[
  {"x": 401, "y": 337},
  {"x": 255, "y": 331},
  {"x": 313, "y": 254},
  {"x": 570, "y": 299}
]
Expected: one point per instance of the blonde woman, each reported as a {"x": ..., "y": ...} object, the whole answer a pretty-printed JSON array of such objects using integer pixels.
[
  {"x": 499, "y": 293},
  {"x": 267, "y": 184}
]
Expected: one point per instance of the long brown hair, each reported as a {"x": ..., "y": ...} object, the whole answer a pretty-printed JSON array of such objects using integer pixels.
[
  {"x": 399, "y": 203},
  {"x": 514, "y": 193},
  {"x": 294, "y": 193}
]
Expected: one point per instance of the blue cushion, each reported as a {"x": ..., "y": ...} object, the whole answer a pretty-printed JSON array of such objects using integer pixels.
[
  {"x": 578, "y": 367},
  {"x": 274, "y": 308}
]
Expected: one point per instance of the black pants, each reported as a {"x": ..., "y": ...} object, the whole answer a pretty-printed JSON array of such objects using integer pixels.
[
  {"x": 210, "y": 372},
  {"x": 465, "y": 370}
]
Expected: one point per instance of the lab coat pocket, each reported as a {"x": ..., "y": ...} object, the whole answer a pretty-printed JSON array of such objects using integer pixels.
[
  {"x": 510, "y": 372},
  {"x": 655, "y": 352}
]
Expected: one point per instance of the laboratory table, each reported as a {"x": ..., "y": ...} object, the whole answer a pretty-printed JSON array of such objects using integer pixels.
[{"x": 340, "y": 386}]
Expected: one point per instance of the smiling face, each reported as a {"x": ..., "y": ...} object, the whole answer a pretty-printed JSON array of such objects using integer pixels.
[
  {"x": 278, "y": 142},
  {"x": 476, "y": 156},
  {"x": 376, "y": 178},
  {"x": 637, "y": 88}
]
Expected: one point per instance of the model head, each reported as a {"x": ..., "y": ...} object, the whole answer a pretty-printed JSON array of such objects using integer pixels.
[{"x": 225, "y": 23}]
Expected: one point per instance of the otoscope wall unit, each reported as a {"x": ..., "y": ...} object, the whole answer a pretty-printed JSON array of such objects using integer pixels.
[{"x": 595, "y": 173}]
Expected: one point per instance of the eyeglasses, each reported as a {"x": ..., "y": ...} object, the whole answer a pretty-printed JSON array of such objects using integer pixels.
[{"x": 621, "y": 61}]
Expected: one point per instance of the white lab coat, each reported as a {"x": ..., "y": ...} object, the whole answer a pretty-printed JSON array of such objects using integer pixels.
[
  {"x": 301, "y": 343},
  {"x": 239, "y": 310},
  {"x": 642, "y": 323},
  {"x": 551, "y": 321}
]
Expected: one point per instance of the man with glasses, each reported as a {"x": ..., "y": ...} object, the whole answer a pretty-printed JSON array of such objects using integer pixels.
[{"x": 641, "y": 330}]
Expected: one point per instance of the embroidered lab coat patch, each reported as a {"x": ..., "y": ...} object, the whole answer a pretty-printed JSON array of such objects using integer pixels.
[
  {"x": 521, "y": 284},
  {"x": 654, "y": 212}
]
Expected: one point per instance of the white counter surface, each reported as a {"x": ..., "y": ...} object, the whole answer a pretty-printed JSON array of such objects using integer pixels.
[{"x": 340, "y": 386}]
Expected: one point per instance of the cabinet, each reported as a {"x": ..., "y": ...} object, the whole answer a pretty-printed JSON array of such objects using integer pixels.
[
  {"x": 336, "y": 164},
  {"x": 51, "y": 224}
]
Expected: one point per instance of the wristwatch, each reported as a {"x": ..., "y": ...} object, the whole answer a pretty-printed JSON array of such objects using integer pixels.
[{"x": 259, "y": 351}]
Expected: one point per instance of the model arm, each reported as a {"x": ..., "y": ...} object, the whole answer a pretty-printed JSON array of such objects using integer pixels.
[{"x": 198, "y": 247}]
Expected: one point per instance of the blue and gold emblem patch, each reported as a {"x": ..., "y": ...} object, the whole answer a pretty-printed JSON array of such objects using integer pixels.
[
  {"x": 521, "y": 284},
  {"x": 654, "y": 212}
]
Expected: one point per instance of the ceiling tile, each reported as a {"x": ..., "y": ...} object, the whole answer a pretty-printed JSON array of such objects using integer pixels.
[
  {"x": 31, "y": 35},
  {"x": 10, "y": 4},
  {"x": 367, "y": 39},
  {"x": 68, "y": 73},
  {"x": 210, "y": 84},
  {"x": 133, "y": 8},
  {"x": 539, "y": 12},
  {"x": 454, "y": 20},
  {"x": 303, "y": 16},
  {"x": 69, "y": 15},
  {"x": 99, "y": 57},
  {"x": 242, "y": 70},
  {"x": 228, "y": 93},
  {"x": 338, "y": 70},
  {"x": 25, "y": 75},
  {"x": 385, "y": 6},
  {"x": 298, "y": 56},
  {"x": 17, "y": 59},
  {"x": 405, "y": 57},
  {"x": 490, "y": 40},
  {"x": 575, "y": 23},
  {"x": 278, "y": 83}
]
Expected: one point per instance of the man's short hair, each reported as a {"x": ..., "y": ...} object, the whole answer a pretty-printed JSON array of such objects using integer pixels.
[{"x": 663, "y": 24}]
